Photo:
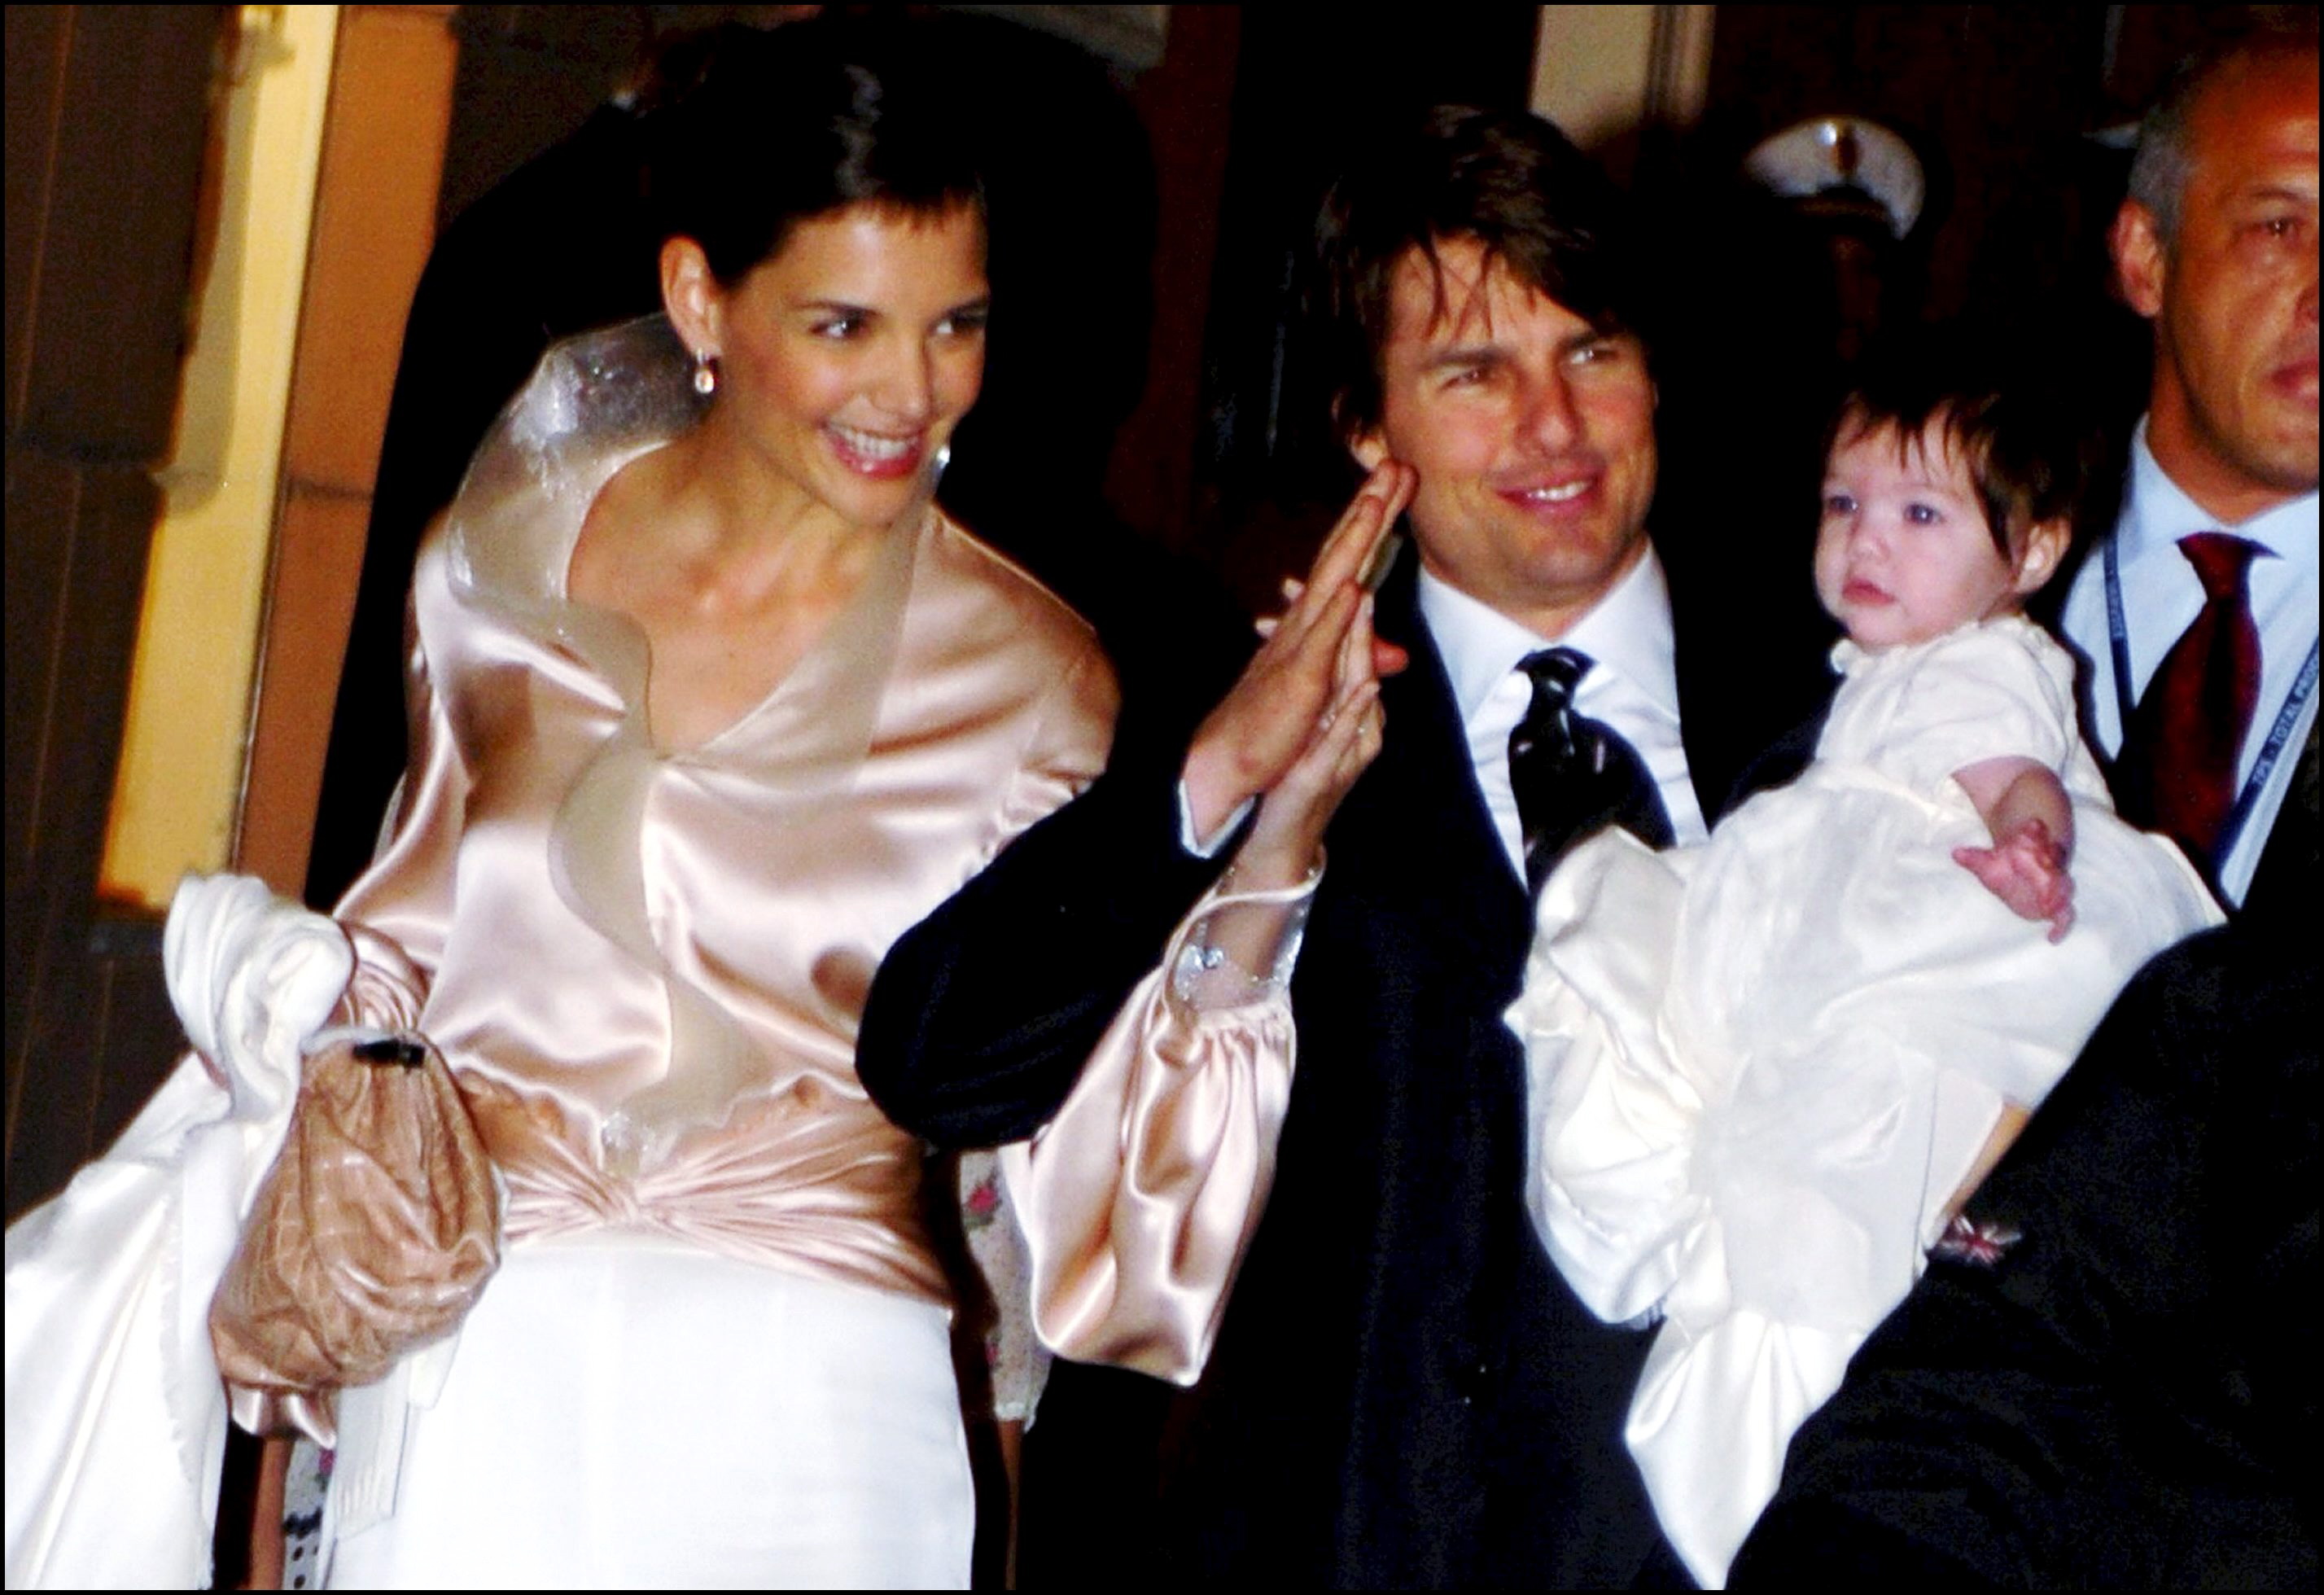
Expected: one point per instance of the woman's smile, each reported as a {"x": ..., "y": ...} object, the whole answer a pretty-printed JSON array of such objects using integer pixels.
[{"x": 876, "y": 455}]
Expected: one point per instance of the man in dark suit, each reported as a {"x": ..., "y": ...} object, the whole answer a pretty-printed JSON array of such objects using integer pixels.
[
  {"x": 2198, "y": 612},
  {"x": 1403, "y": 1391}
]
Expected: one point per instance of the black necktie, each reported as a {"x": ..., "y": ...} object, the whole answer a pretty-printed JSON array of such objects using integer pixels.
[{"x": 1573, "y": 776}]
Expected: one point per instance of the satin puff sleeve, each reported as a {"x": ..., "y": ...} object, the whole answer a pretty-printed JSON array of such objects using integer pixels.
[
  {"x": 399, "y": 912},
  {"x": 1140, "y": 1196}
]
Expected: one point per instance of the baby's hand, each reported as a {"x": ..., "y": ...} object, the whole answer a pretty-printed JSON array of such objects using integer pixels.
[{"x": 2026, "y": 870}]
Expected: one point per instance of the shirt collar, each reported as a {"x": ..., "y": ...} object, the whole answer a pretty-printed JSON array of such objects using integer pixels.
[
  {"x": 2160, "y": 513},
  {"x": 1628, "y": 632}
]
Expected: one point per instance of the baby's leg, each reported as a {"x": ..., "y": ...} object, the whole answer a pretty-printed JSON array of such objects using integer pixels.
[{"x": 2005, "y": 1130}]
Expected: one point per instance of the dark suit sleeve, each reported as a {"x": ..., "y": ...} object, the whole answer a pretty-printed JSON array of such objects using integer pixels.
[
  {"x": 2127, "y": 1396},
  {"x": 982, "y": 1015}
]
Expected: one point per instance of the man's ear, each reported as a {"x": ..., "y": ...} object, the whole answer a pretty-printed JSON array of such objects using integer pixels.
[
  {"x": 691, "y": 294},
  {"x": 2141, "y": 259},
  {"x": 2046, "y": 546}
]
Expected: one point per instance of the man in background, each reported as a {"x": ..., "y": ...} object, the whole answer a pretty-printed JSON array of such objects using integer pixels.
[{"x": 2198, "y": 613}]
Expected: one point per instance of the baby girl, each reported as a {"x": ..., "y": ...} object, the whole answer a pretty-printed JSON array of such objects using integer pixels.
[{"x": 1766, "y": 1070}]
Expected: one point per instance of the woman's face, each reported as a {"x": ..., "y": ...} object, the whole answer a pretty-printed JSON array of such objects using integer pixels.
[{"x": 846, "y": 360}]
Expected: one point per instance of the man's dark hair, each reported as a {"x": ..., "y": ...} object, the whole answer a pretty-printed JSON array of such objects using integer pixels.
[
  {"x": 779, "y": 127},
  {"x": 2158, "y": 172},
  {"x": 2027, "y": 457},
  {"x": 1514, "y": 184}
]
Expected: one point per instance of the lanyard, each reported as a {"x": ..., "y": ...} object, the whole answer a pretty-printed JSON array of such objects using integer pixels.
[{"x": 2304, "y": 687}]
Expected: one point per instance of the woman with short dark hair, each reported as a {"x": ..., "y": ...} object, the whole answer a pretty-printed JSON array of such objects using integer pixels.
[{"x": 710, "y": 704}]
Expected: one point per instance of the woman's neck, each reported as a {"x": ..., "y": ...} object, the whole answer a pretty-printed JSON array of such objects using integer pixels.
[
  {"x": 728, "y": 536},
  {"x": 731, "y": 510}
]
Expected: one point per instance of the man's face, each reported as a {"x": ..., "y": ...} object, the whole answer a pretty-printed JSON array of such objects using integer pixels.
[
  {"x": 1532, "y": 433},
  {"x": 2233, "y": 296}
]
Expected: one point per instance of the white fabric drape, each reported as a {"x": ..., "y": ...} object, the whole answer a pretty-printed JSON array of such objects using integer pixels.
[{"x": 116, "y": 1419}]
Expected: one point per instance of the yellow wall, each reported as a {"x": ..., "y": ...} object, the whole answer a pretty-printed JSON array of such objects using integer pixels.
[
  {"x": 181, "y": 769},
  {"x": 1599, "y": 71}
]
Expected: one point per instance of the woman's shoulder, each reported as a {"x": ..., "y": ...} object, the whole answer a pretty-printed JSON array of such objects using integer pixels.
[
  {"x": 1009, "y": 595},
  {"x": 432, "y": 562},
  {"x": 985, "y": 614}
]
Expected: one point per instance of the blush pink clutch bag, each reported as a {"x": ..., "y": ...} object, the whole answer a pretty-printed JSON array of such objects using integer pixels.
[{"x": 371, "y": 1236}]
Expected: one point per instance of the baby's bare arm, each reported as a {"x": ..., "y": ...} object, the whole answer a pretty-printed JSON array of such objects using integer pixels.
[
  {"x": 2031, "y": 820},
  {"x": 2008, "y": 792}
]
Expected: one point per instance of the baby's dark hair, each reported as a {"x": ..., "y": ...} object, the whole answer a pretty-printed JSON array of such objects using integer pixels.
[{"x": 2027, "y": 454}]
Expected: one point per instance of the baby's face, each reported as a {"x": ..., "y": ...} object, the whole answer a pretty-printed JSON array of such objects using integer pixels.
[{"x": 1902, "y": 554}]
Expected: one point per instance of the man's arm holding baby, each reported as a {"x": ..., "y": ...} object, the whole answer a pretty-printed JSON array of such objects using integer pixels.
[{"x": 2031, "y": 820}]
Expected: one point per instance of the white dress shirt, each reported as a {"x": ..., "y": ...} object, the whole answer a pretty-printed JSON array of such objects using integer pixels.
[
  {"x": 2161, "y": 596},
  {"x": 1631, "y": 687}
]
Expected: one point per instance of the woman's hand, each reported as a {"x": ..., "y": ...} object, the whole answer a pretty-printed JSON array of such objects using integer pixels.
[
  {"x": 2026, "y": 870},
  {"x": 1290, "y": 696}
]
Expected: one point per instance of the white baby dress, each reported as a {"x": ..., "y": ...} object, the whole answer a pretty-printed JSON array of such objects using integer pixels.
[{"x": 1760, "y": 1067}]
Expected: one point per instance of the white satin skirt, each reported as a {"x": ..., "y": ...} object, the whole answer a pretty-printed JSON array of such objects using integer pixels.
[{"x": 626, "y": 1413}]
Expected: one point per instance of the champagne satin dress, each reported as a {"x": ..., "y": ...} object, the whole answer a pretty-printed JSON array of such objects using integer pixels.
[{"x": 716, "y": 1352}]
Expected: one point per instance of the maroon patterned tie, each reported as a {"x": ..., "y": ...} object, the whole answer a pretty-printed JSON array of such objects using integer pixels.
[{"x": 2188, "y": 731}]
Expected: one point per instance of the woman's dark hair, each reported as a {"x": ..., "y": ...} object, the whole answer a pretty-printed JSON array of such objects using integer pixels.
[
  {"x": 2027, "y": 454},
  {"x": 800, "y": 121},
  {"x": 1538, "y": 206}
]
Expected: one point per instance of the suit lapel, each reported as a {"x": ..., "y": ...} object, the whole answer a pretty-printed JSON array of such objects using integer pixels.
[{"x": 1415, "y": 830}]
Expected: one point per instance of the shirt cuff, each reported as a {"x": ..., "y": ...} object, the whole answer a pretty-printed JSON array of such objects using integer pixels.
[{"x": 1210, "y": 846}]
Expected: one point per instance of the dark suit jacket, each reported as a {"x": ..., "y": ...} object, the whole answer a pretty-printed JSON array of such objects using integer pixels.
[{"x": 1403, "y": 1391}]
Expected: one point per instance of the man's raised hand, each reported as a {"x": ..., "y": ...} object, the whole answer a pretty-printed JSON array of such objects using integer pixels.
[{"x": 1304, "y": 671}]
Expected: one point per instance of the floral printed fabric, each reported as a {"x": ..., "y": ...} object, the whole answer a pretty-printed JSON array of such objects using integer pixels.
[{"x": 1017, "y": 1361}]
